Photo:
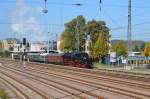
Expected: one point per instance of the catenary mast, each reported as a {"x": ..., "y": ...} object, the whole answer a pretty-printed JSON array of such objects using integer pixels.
[{"x": 129, "y": 31}]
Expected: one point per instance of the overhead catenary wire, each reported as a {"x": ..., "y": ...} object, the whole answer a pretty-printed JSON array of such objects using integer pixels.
[
  {"x": 85, "y": 4},
  {"x": 62, "y": 3},
  {"x": 124, "y": 27},
  {"x": 46, "y": 24},
  {"x": 143, "y": 35},
  {"x": 99, "y": 9},
  {"x": 111, "y": 19},
  {"x": 60, "y": 25}
]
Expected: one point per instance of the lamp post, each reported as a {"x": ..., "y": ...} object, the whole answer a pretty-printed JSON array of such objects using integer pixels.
[
  {"x": 45, "y": 11},
  {"x": 45, "y": 8},
  {"x": 77, "y": 35},
  {"x": 77, "y": 30},
  {"x": 49, "y": 33}
]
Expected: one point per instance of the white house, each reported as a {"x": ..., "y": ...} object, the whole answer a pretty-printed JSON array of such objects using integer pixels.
[{"x": 38, "y": 47}]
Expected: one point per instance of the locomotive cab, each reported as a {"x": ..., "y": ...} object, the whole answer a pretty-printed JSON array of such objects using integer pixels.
[{"x": 82, "y": 60}]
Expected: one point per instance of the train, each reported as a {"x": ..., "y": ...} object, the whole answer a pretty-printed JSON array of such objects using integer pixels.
[{"x": 74, "y": 59}]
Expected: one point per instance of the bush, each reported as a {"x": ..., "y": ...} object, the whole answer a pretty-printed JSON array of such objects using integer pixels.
[
  {"x": 4, "y": 53},
  {"x": 3, "y": 94}
]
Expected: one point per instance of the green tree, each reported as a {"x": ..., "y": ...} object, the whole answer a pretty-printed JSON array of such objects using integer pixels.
[
  {"x": 142, "y": 47},
  {"x": 99, "y": 34},
  {"x": 147, "y": 49},
  {"x": 1, "y": 45},
  {"x": 4, "y": 53},
  {"x": 136, "y": 48},
  {"x": 100, "y": 49},
  {"x": 68, "y": 38},
  {"x": 120, "y": 49}
]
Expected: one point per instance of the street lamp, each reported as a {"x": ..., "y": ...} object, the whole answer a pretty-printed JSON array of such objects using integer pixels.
[
  {"x": 77, "y": 29},
  {"x": 77, "y": 4},
  {"x": 45, "y": 9},
  {"x": 77, "y": 35}
]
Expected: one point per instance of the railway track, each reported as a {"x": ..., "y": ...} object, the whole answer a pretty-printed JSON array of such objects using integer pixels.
[
  {"x": 71, "y": 93},
  {"x": 128, "y": 75},
  {"x": 12, "y": 91},
  {"x": 22, "y": 90},
  {"x": 89, "y": 82},
  {"x": 76, "y": 95},
  {"x": 47, "y": 82},
  {"x": 97, "y": 77},
  {"x": 139, "y": 77},
  {"x": 109, "y": 86},
  {"x": 134, "y": 74},
  {"x": 94, "y": 84},
  {"x": 141, "y": 84},
  {"x": 119, "y": 74}
]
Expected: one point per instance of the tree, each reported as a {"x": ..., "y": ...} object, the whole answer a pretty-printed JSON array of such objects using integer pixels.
[
  {"x": 120, "y": 49},
  {"x": 99, "y": 34},
  {"x": 68, "y": 38},
  {"x": 136, "y": 48},
  {"x": 147, "y": 49},
  {"x": 4, "y": 53},
  {"x": 1, "y": 45},
  {"x": 100, "y": 49},
  {"x": 142, "y": 46}
]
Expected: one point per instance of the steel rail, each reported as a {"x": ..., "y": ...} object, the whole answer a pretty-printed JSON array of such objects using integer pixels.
[
  {"x": 25, "y": 84},
  {"x": 118, "y": 89}
]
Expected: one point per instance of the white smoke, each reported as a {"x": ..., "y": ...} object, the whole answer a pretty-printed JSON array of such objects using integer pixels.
[{"x": 25, "y": 23}]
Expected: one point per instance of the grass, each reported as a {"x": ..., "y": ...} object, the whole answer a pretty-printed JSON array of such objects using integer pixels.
[
  {"x": 103, "y": 66},
  {"x": 3, "y": 94},
  {"x": 142, "y": 70}
]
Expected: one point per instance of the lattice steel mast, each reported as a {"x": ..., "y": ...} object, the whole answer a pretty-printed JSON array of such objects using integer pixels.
[{"x": 129, "y": 31}]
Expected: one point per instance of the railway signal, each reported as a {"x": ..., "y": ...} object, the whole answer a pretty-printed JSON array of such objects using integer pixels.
[{"x": 24, "y": 46}]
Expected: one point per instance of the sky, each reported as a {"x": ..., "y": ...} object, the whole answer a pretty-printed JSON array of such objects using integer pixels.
[{"x": 24, "y": 18}]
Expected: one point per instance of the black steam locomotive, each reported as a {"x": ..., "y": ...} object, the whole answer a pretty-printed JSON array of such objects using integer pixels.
[{"x": 75, "y": 59}]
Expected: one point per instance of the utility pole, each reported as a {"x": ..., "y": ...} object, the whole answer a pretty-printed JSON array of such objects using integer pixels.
[
  {"x": 129, "y": 31},
  {"x": 129, "y": 34},
  {"x": 77, "y": 35},
  {"x": 45, "y": 11},
  {"x": 49, "y": 33}
]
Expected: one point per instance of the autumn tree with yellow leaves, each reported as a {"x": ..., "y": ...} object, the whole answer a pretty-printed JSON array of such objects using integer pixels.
[
  {"x": 120, "y": 49},
  {"x": 68, "y": 37},
  {"x": 99, "y": 35},
  {"x": 147, "y": 49}
]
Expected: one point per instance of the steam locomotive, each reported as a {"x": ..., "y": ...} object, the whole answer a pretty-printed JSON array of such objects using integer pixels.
[{"x": 75, "y": 59}]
